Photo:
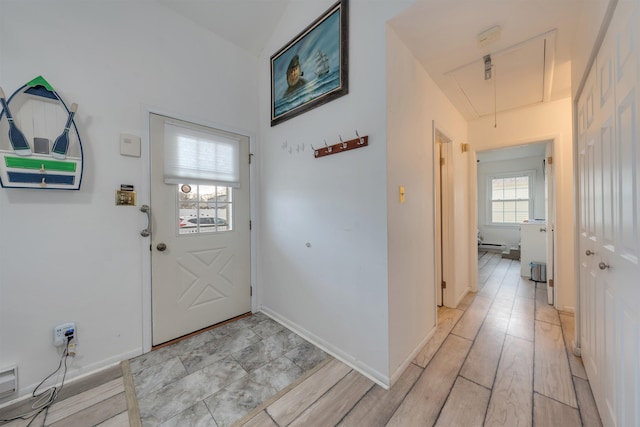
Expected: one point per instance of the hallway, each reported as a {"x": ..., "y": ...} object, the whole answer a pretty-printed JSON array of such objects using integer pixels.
[{"x": 501, "y": 358}]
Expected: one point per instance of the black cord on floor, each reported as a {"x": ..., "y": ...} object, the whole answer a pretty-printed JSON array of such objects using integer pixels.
[{"x": 53, "y": 392}]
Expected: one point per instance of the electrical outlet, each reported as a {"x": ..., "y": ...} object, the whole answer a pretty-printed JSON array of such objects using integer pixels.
[{"x": 61, "y": 333}]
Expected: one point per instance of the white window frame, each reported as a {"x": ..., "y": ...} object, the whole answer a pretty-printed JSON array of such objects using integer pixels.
[
  {"x": 531, "y": 174},
  {"x": 200, "y": 230}
]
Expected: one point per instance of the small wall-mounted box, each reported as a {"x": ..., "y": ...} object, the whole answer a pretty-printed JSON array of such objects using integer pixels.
[{"x": 129, "y": 145}]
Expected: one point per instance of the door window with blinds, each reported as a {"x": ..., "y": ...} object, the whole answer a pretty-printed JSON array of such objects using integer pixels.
[
  {"x": 204, "y": 167},
  {"x": 510, "y": 198}
]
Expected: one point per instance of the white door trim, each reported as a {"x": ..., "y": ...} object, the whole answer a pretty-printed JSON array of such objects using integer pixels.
[
  {"x": 556, "y": 141},
  {"x": 443, "y": 198},
  {"x": 144, "y": 194}
]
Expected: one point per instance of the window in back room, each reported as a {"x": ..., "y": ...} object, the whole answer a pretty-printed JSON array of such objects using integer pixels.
[{"x": 510, "y": 197}]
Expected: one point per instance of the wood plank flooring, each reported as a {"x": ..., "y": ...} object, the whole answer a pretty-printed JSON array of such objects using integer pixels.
[
  {"x": 501, "y": 358},
  {"x": 98, "y": 400}
]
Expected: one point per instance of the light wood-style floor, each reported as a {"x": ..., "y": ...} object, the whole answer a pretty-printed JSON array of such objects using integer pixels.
[
  {"x": 502, "y": 358},
  {"x": 98, "y": 400}
]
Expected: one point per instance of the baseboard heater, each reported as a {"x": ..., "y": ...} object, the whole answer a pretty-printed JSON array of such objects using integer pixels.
[{"x": 492, "y": 246}]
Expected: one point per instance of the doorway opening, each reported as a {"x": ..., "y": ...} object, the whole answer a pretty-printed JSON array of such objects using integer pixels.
[
  {"x": 443, "y": 196},
  {"x": 515, "y": 208}
]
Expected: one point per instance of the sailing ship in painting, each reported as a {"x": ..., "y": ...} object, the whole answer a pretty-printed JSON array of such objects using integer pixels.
[
  {"x": 322, "y": 63},
  {"x": 39, "y": 143}
]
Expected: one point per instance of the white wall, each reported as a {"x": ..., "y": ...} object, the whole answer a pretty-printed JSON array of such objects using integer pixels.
[
  {"x": 74, "y": 256},
  {"x": 335, "y": 291},
  {"x": 508, "y": 235},
  {"x": 551, "y": 121},
  {"x": 413, "y": 102}
]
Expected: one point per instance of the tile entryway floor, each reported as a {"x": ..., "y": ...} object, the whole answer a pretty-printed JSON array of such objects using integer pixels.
[{"x": 218, "y": 376}]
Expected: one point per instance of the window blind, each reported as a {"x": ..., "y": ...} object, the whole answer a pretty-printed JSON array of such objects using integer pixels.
[{"x": 198, "y": 157}]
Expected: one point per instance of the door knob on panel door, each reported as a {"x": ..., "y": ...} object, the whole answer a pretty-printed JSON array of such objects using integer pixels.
[
  {"x": 161, "y": 247},
  {"x": 589, "y": 253},
  {"x": 603, "y": 265}
]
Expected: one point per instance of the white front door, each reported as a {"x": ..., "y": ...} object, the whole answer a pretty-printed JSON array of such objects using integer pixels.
[
  {"x": 200, "y": 244},
  {"x": 609, "y": 189}
]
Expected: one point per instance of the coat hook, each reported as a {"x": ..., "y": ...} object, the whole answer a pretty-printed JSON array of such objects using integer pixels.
[
  {"x": 328, "y": 148},
  {"x": 344, "y": 144},
  {"x": 360, "y": 139}
]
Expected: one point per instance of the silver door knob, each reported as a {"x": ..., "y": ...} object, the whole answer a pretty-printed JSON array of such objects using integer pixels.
[
  {"x": 603, "y": 265},
  {"x": 161, "y": 247},
  {"x": 543, "y": 229},
  {"x": 589, "y": 253}
]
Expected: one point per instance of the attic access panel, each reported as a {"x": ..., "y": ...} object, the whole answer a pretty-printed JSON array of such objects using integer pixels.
[{"x": 521, "y": 75}]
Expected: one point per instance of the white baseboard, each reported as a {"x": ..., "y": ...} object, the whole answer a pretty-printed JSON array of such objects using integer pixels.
[
  {"x": 568, "y": 310},
  {"x": 367, "y": 371},
  {"x": 400, "y": 370},
  {"x": 461, "y": 297}
]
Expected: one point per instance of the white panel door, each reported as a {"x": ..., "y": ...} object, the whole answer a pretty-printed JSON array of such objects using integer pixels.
[
  {"x": 200, "y": 243},
  {"x": 609, "y": 167},
  {"x": 623, "y": 269}
]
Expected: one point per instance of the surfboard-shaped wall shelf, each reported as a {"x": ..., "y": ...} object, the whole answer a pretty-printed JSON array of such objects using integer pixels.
[{"x": 40, "y": 145}]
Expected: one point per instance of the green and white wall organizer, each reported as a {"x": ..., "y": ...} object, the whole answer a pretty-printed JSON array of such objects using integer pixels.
[{"x": 40, "y": 145}]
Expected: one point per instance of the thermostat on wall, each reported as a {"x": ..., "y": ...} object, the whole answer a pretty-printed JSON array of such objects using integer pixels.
[{"x": 129, "y": 145}]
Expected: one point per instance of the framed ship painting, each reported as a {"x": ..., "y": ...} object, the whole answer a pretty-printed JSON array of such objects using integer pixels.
[{"x": 312, "y": 69}]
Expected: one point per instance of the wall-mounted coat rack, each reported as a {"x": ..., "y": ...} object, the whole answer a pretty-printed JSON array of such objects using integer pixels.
[{"x": 352, "y": 144}]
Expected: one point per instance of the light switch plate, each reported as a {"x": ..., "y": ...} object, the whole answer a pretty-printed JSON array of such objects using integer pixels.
[{"x": 129, "y": 145}]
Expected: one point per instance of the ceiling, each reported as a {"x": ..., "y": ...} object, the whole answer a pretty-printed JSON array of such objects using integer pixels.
[
  {"x": 530, "y": 60},
  {"x": 246, "y": 23}
]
